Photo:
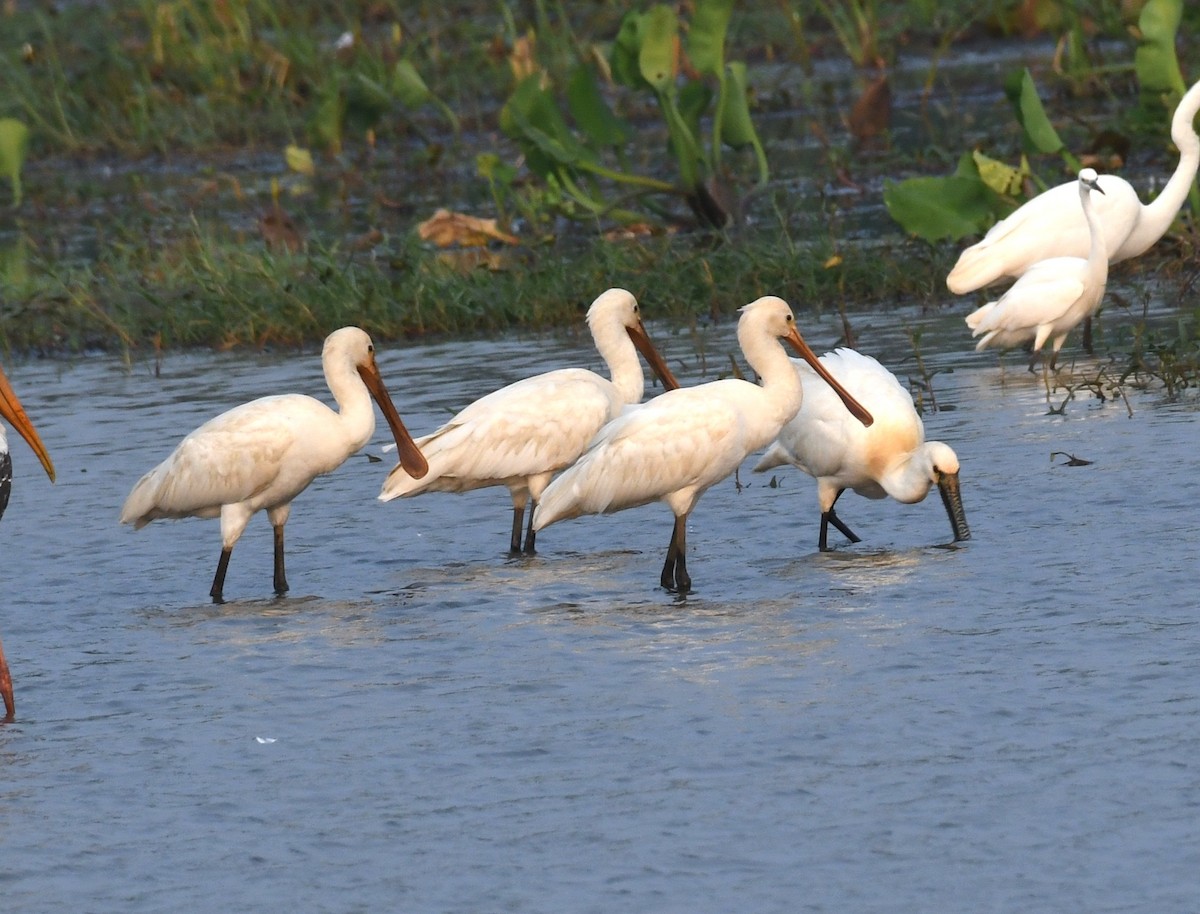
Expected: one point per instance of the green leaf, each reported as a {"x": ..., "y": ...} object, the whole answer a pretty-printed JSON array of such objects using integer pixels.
[
  {"x": 408, "y": 86},
  {"x": 623, "y": 60},
  {"x": 1021, "y": 91},
  {"x": 591, "y": 111},
  {"x": 999, "y": 176},
  {"x": 657, "y": 58},
  {"x": 1155, "y": 60},
  {"x": 936, "y": 208},
  {"x": 14, "y": 140},
  {"x": 706, "y": 37},
  {"x": 737, "y": 129}
]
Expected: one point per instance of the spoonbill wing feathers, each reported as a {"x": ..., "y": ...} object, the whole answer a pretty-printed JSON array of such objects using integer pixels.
[{"x": 536, "y": 425}]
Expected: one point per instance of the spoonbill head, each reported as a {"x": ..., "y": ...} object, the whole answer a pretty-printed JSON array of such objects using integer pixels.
[
  {"x": 261, "y": 455},
  {"x": 13, "y": 412},
  {"x": 890, "y": 458},
  {"x": 1053, "y": 296},
  {"x": 521, "y": 435},
  {"x": 673, "y": 448},
  {"x": 1052, "y": 225}
]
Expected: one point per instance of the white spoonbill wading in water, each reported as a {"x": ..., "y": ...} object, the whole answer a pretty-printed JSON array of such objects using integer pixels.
[
  {"x": 261, "y": 455},
  {"x": 1052, "y": 297},
  {"x": 677, "y": 445},
  {"x": 890, "y": 458},
  {"x": 1051, "y": 225},
  {"x": 12, "y": 411},
  {"x": 521, "y": 435}
]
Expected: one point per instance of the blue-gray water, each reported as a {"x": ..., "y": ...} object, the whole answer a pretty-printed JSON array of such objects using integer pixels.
[{"x": 425, "y": 725}]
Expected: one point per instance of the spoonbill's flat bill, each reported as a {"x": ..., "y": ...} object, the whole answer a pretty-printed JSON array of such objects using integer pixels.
[
  {"x": 13, "y": 412},
  {"x": 673, "y": 448},
  {"x": 261, "y": 455},
  {"x": 890, "y": 458},
  {"x": 521, "y": 435}
]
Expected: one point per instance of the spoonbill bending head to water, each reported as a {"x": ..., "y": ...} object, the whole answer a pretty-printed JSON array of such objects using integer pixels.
[
  {"x": 261, "y": 455},
  {"x": 1052, "y": 297},
  {"x": 12, "y": 411},
  {"x": 1051, "y": 225},
  {"x": 676, "y": 446},
  {"x": 521, "y": 435},
  {"x": 891, "y": 458}
]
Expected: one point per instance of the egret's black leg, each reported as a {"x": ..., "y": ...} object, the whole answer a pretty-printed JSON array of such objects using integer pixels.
[
  {"x": 514, "y": 545},
  {"x": 281, "y": 584},
  {"x": 218, "y": 586}
]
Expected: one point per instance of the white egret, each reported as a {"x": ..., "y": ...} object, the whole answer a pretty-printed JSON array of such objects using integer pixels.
[
  {"x": 890, "y": 458},
  {"x": 14, "y": 413},
  {"x": 673, "y": 448},
  {"x": 1052, "y": 297},
  {"x": 1051, "y": 225},
  {"x": 521, "y": 435},
  {"x": 261, "y": 455}
]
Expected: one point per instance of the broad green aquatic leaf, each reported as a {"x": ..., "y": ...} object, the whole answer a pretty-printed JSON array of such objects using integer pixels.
[
  {"x": 737, "y": 129},
  {"x": 937, "y": 208},
  {"x": 1022, "y": 92},
  {"x": 1155, "y": 60},
  {"x": 706, "y": 36},
  {"x": 591, "y": 111},
  {"x": 299, "y": 160},
  {"x": 623, "y": 60},
  {"x": 14, "y": 140},
  {"x": 366, "y": 102},
  {"x": 999, "y": 176},
  {"x": 658, "y": 57},
  {"x": 408, "y": 86}
]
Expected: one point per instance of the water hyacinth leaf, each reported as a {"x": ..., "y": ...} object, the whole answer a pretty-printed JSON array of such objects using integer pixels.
[
  {"x": 706, "y": 36},
  {"x": 1155, "y": 59},
  {"x": 1022, "y": 92},
  {"x": 937, "y": 208},
  {"x": 408, "y": 86},
  {"x": 737, "y": 129},
  {"x": 14, "y": 140},
  {"x": 658, "y": 57},
  {"x": 623, "y": 60},
  {"x": 999, "y": 176},
  {"x": 592, "y": 113},
  {"x": 530, "y": 115}
]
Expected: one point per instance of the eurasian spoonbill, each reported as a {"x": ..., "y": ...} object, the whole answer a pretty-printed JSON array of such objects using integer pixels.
[
  {"x": 261, "y": 455},
  {"x": 674, "y": 447},
  {"x": 890, "y": 458},
  {"x": 11, "y": 409},
  {"x": 521, "y": 435}
]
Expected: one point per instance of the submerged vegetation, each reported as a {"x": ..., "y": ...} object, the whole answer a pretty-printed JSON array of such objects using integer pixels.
[{"x": 240, "y": 172}]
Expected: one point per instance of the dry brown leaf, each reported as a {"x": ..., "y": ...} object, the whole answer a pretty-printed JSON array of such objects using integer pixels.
[
  {"x": 872, "y": 113},
  {"x": 445, "y": 228},
  {"x": 522, "y": 59},
  {"x": 279, "y": 231}
]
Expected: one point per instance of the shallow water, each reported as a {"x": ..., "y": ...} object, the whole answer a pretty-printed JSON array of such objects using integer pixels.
[{"x": 428, "y": 725}]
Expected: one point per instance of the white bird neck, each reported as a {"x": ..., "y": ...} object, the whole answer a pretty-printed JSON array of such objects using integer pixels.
[
  {"x": 353, "y": 399},
  {"x": 780, "y": 381},
  {"x": 621, "y": 357},
  {"x": 908, "y": 481},
  {"x": 1162, "y": 209},
  {"x": 1097, "y": 252}
]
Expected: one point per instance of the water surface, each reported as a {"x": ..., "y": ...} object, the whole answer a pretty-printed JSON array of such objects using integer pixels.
[{"x": 427, "y": 725}]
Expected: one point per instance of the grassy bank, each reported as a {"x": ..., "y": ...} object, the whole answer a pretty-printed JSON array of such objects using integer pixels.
[{"x": 155, "y": 180}]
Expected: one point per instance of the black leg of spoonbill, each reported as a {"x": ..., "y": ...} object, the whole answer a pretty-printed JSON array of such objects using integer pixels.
[
  {"x": 1087, "y": 336},
  {"x": 218, "y": 588},
  {"x": 830, "y": 517},
  {"x": 530, "y": 533},
  {"x": 674, "y": 574},
  {"x": 281, "y": 586},
  {"x": 842, "y": 528},
  {"x": 514, "y": 545},
  {"x": 10, "y": 707}
]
